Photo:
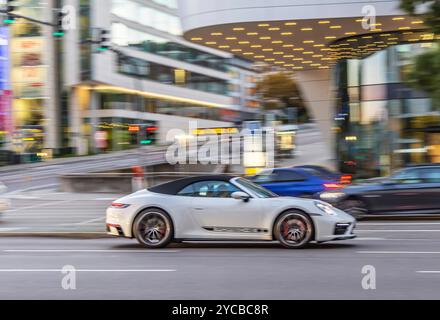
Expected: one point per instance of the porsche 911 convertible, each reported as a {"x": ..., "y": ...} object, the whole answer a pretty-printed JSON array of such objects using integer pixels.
[{"x": 224, "y": 208}]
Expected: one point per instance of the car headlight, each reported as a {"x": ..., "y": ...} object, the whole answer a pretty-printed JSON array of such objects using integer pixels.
[
  {"x": 326, "y": 208},
  {"x": 331, "y": 196}
]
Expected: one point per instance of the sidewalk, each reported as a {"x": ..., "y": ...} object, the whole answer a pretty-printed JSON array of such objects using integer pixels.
[
  {"x": 78, "y": 159},
  {"x": 51, "y": 213}
]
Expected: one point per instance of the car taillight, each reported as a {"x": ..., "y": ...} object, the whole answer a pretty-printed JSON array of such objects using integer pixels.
[
  {"x": 333, "y": 186},
  {"x": 120, "y": 205},
  {"x": 346, "y": 179}
]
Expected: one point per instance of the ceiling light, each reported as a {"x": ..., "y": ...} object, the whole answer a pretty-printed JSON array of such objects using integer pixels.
[
  {"x": 224, "y": 47},
  {"x": 210, "y": 42},
  {"x": 277, "y": 42},
  {"x": 330, "y": 37},
  {"x": 244, "y": 42},
  {"x": 265, "y": 38},
  {"x": 231, "y": 38},
  {"x": 306, "y": 29},
  {"x": 398, "y": 18},
  {"x": 274, "y": 29},
  {"x": 196, "y": 39},
  {"x": 236, "y": 50},
  {"x": 286, "y": 33},
  {"x": 298, "y": 49},
  {"x": 308, "y": 41},
  {"x": 252, "y": 33},
  {"x": 324, "y": 22},
  {"x": 256, "y": 46},
  {"x": 290, "y": 23},
  {"x": 216, "y": 34},
  {"x": 238, "y": 29},
  {"x": 418, "y": 22},
  {"x": 404, "y": 28},
  {"x": 264, "y": 25},
  {"x": 288, "y": 46}
]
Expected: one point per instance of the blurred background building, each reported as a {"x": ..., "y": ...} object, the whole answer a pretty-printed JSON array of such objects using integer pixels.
[
  {"x": 128, "y": 71},
  {"x": 350, "y": 60},
  {"x": 152, "y": 79}
]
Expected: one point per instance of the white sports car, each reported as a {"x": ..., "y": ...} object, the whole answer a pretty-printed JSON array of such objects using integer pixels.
[{"x": 220, "y": 208}]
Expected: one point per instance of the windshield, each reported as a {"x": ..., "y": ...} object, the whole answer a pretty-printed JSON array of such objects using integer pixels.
[{"x": 259, "y": 191}]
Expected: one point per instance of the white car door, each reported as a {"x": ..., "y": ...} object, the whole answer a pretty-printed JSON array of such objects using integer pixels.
[{"x": 222, "y": 217}]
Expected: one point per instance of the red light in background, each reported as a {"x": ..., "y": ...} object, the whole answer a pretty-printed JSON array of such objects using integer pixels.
[
  {"x": 152, "y": 129},
  {"x": 333, "y": 186}
]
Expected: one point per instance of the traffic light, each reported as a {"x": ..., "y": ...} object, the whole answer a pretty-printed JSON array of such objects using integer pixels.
[
  {"x": 10, "y": 8},
  {"x": 150, "y": 135},
  {"x": 59, "y": 29},
  {"x": 104, "y": 41}
]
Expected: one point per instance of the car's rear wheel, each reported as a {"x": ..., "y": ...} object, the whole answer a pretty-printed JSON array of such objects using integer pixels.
[
  {"x": 294, "y": 229},
  {"x": 356, "y": 208},
  {"x": 153, "y": 229}
]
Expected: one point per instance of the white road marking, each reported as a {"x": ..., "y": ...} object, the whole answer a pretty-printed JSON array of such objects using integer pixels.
[
  {"x": 85, "y": 270},
  {"x": 86, "y": 251},
  {"x": 401, "y": 224},
  {"x": 398, "y": 252},
  {"x": 395, "y": 231},
  {"x": 428, "y": 272}
]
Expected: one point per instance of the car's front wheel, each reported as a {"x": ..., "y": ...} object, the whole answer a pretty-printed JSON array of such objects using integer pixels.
[
  {"x": 153, "y": 229},
  {"x": 294, "y": 229}
]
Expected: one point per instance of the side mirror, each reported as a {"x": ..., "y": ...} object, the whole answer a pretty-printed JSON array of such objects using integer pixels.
[{"x": 241, "y": 196}]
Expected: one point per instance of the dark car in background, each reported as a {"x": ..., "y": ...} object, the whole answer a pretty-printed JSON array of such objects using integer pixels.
[
  {"x": 410, "y": 191},
  {"x": 295, "y": 182}
]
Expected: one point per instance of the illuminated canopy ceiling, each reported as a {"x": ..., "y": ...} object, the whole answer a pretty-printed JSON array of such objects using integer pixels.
[{"x": 310, "y": 44}]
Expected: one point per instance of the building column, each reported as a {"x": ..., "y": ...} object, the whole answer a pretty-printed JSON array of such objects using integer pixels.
[
  {"x": 51, "y": 109},
  {"x": 320, "y": 98},
  {"x": 80, "y": 97}
]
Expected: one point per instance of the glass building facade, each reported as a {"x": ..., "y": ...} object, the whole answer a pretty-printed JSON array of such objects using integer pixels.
[{"x": 383, "y": 124}]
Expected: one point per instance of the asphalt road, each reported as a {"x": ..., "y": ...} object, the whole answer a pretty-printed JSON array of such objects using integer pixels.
[{"x": 405, "y": 255}]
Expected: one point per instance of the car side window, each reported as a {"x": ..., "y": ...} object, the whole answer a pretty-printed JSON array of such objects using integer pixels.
[
  {"x": 408, "y": 177},
  {"x": 430, "y": 175},
  {"x": 289, "y": 176},
  {"x": 210, "y": 189},
  {"x": 279, "y": 176},
  {"x": 187, "y": 192}
]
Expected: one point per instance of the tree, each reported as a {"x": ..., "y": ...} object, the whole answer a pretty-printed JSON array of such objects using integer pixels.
[
  {"x": 431, "y": 15},
  {"x": 425, "y": 73},
  {"x": 280, "y": 92}
]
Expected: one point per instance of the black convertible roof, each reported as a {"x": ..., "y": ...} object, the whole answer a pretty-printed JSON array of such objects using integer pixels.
[{"x": 174, "y": 187}]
